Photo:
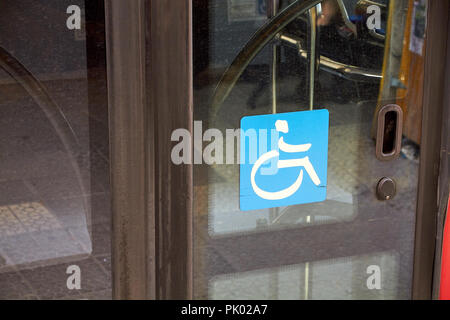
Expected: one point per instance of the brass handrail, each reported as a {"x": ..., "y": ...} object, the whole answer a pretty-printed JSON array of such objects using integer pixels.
[{"x": 340, "y": 69}]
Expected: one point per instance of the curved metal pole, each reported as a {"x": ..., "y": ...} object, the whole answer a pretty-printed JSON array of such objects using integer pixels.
[
  {"x": 54, "y": 114},
  {"x": 263, "y": 36}
]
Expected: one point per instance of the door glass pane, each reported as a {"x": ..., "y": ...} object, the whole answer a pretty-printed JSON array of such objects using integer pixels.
[
  {"x": 54, "y": 188},
  {"x": 342, "y": 278},
  {"x": 351, "y": 58}
]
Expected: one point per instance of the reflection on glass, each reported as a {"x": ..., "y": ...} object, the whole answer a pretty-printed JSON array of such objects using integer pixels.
[
  {"x": 54, "y": 189},
  {"x": 341, "y": 279}
]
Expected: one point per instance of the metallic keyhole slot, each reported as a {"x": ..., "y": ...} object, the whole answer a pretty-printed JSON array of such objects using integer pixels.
[
  {"x": 389, "y": 132},
  {"x": 386, "y": 189}
]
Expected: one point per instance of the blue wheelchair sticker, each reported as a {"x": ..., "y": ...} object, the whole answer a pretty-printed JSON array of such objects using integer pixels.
[{"x": 283, "y": 159}]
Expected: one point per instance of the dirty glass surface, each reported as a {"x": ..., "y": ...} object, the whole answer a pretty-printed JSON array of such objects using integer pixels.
[
  {"x": 352, "y": 245},
  {"x": 54, "y": 188}
]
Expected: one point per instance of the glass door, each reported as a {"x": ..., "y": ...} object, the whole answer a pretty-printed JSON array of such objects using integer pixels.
[
  {"x": 55, "y": 218},
  {"x": 363, "y": 62}
]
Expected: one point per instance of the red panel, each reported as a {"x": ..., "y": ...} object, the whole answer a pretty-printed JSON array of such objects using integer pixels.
[{"x": 445, "y": 267}]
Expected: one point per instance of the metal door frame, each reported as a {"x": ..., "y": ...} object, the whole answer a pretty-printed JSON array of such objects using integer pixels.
[
  {"x": 150, "y": 94},
  {"x": 150, "y": 89},
  {"x": 435, "y": 75}
]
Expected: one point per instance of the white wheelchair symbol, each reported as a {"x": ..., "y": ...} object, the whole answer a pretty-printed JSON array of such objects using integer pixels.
[{"x": 282, "y": 126}]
